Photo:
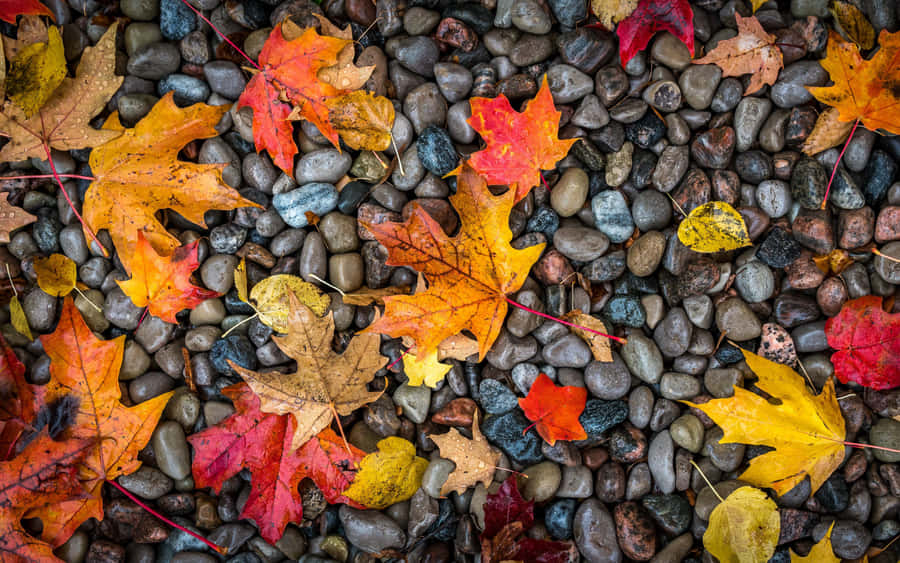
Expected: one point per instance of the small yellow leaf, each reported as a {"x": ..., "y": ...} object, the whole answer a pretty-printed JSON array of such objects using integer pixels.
[
  {"x": 713, "y": 227},
  {"x": 852, "y": 23},
  {"x": 36, "y": 73},
  {"x": 757, "y": 4},
  {"x": 18, "y": 319},
  {"x": 55, "y": 274},
  {"x": 240, "y": 281},
  {"x": 388, "y": 476},
  {"x": 427, "y": 370},
  {"x": 828, "y": 132},
  {"x": 744, "y": 528},
  {"x": 820, "y": 553},
  {"x": 272, "y": 298}
]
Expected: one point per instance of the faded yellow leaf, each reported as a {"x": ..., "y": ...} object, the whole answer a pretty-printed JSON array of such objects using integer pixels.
[
  {"x": 388, "y": 476},
  {"x": 475, "y": 458},
  {"x": 600, "y": 345},
  {"x": 427, "y": 370},
  {"x": 743, "y": 528},
  {"x": 366, "y": 296},
  {"x": 272, "y": 299},
  {"x": 55, "y": 274},
  {"x": 828, "y": 132},
  {"x": 37, "y": 72},
  {"x": 240, "y": 281},
  {"x": 713, "y": 227},
  {"x": 18, "y": 319},
  {"x": 852, "y": 23},
  {"x": 363, "y": 120},
  {"x": 31, "y": 29},
  {"x": 611, "y": 12},
  {"x": 820, "y": 553}
]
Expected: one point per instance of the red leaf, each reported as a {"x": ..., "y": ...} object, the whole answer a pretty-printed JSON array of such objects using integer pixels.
[
  {"x": 545, "y": 551},
  {"x": 505, "y": 506},
  {"x": 261, "y": 442},
  {"x": 867, "y": 340},
  {"x": 555, "y": 410},
  {"x": 18, "y": 400},
  {"x": 9, "y": 9},
  {"x": 635, "y": 31}
]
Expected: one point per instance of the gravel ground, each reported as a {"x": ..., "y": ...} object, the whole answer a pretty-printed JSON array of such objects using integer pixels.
[{"x": 607, "y": 218}]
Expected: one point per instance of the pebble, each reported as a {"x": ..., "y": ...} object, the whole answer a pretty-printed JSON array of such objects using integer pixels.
[
  {"x": 808, "y": 182},
  {"x": 570, "y": 193},
  {"x": 661, "y": 459},
  {"x": 754, "y": 281},
  {"x": 507, "y": 431},
  {"x": 608, "y": 380},
  {"x": 643, "y": 358},
  {"x": 325, "y": 166},
  {"x": 672, "y": 512},
  {"x": 454, "y": 80},
  {"x": 425, "y": 106},
  {"x": 635, "y": 531},
  {"x": 414, "y": 400},
  {"x": 713, "y": 148},
  {"x": 790, "y": 88},
  {"x": 436, "y": 151},
  {"x": 528, "y": 16},
  {"x": 236, "y": 348},
  {"x": 418, "y": 54},
  {"x": 594, "y": 533},
  {"x": 886, "y": 433},
  {"x": 317, "y": 198},
  {"x": 645, "y": 254},
  {"x": 187, "y": 89},
  {"x": 580, "y": 243},
  {"x": 568, "y": 84},
  {"x": 737, "y": 320},
  {"x": 778, "y": 250},
  {"x": 612, "y": 216},
  {"x": 543, "y": 481},
  {"x": 147, "y": 482},
  {"x": 370, "y": 530},
  {"x": 154, "y": 61},
  {"x": 173, "y": 457},
  {"x": 749, "y": 117},
  {"x": 560, "y": 518},
  {"x": 687, "y": 432},
  {"x": 698, "y": 85}
]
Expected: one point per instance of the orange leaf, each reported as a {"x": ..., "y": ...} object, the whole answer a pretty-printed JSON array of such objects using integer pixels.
[
  {"x": 163, "y": 283},
  {"x": 9, "y": 9},
  {"x": 87, "y": 369},
  {"x": 469, "y": 274},
  {"x": 863, "y": 89},
  {"x": 753, "y": 51},
  {"x": 289, "y": 75},
  {"x": 555, "y": 410},
  {"x": 519, "y": 145}
]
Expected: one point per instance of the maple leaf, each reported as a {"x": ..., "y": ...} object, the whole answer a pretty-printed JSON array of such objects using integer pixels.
[
  {"x": 163, "y": 283},
  {"x": 829, "y": 131},
  {"x": 36, "y": 72},
  {"x": 63, "y": 121},
  {"x": 12, "y": 217},
  {"x": 822, "y": 552},
  {"x": 424, "y": 370},
  {"x": 325, "y": 383},
  {"x": 867, "y": 340},
  {"x": 519, "y": 145},
  {"x": 19, "y": 400},
  {"x": 650, "y": 16},
  {"x": 44, "y": 474},
  {"x": 863, "y": 89},
  {"x": 363, "y": 120},
  {"x": 139, "y": 173},
  {"x": 610, "y": 12},
  {"x": 289, "y": 75},
  {"x": 343, "y": 74},
  {"x": 470, "y": 274},
  {"x": 743, "y": 528},
  {"x": 753, "y": 52},
  {"x": 9, "y": 9},
  {"x": 261, "y": 442},
  {"x": 390, "y": 475},
  {"x": 87, "y": 369},
  {"x": 805, "y": 430},
  {"x": 555, "y": 410},
  {"x": 475, "y": 459}
]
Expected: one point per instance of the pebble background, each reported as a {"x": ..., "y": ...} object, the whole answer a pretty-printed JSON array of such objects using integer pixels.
[{"x": 658, "y": 127}]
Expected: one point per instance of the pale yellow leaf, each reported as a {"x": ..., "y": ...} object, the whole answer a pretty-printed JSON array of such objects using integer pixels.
[
  {"x": 713, "y": 227},
  {"x": 390, "y": 475},
  {"x": 55, "y": 274},
  {"x": 36, "y": 73},
  {"x": 427, "y": 370},
  {"x": 272, "y": 299},
  {"x": 820, "y": 553},
  {"x": 18, "y": 318},
  {"x": 744, "y": 528}
]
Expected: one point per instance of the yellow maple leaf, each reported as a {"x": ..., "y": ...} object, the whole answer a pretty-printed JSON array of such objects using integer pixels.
[
  {"x": 820, "y": 553},
  {"x": 388, "y": 476}
]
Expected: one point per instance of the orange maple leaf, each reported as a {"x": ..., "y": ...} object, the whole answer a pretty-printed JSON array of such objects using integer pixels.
[
  {"x": 555, "y": 410},
  {"x": 519, "y": 145},
  {"x": 868, "y": 90},
  {"x": 163, "y": 283},
  {"x": 289, "y": 76},
  {"x": 86, "y": 368},
  {"x": 469, "y": 274}
]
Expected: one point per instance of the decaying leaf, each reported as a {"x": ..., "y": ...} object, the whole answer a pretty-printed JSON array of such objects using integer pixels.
[
  {"x": 867, "y": 343},
  {"x": 611, "y": 12},
  {"x": 849, "y": 20},
  {"x": 805, "y": 430},
  {"x": 20, "y": 401},
  {"x": 325, "y": 384},
  {"x": 12, "y": 217},
  {"x": 651, "y": 16},
  {"x": 713, "y": 227},
  {"x": 390, "y": 475},
  {"x": 424, "y": 370},
  {"x": 272, "y": 298},
  {"x": 828, "y": 132},
  {"x": 457, "y": 347},
  {"x": 753, "y": 51},
  {"x": 600, "y": 345},
  {"x": 55, "y": 274},
  {"x": 475, "y": 459},
  {"x": 834, "y": 262},
  {"x": 362, "y": 119},
  {"x": 822, "y": 552},
  {"x": 555, "y": 410},
  {"x": 31, "y": 29},
  {"x": 367, "y": 296},
  {"x": 36, "y": 73},
  {"x": 18, "y": 319},
  {"x": 743, "y": 528}
]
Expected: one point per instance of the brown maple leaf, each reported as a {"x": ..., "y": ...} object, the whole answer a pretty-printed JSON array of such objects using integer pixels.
[
  {"x": 325, "y": 383},
  {"x": 753, "y": 51},
  {"x": 475, "y": 459},
  {"x": 12, "y": 217}
]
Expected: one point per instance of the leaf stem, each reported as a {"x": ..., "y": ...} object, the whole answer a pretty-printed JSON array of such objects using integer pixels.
[
  {"x": 838, "y": 162},
  {"x": 710, "y": 485},
  {"x": 38, "y": 176},
  {"x": 567, "y": 323},
  {"x": 222, "y": 35},
  {"x": 870, "y": 446},
  {"x": 219, "y": 549}
]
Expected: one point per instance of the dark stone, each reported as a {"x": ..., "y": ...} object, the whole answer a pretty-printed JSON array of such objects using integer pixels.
[
  {"x": 236, "y": 348},
  {"x": 625, "y": 310},
  {"x": 351, "y": 196},
  {"x": 436, "y": 150},
  {"x": 559, "y": 517},
  {"x": 543, "y": 220},
  {"x": 779, "y": 249},
  {"x": 175, "y": 19},
  {"x": 475, "y": 15},
  {"x": 672, "y": 512},
  {"x": 834, "y": 494},
  {"x": 880, "y": 173},
  {"x": 496, "y": 398},
  {"x": 646, "y": 131},
  {"x": 508, "y": 432},
  {"x": 599, "y": 416}
]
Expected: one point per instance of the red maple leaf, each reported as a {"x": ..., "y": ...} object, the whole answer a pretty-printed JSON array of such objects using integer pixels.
[
  {"x": 867, "y": 340},
  {"x": 261, "y": 442},
  {"x": 9, "y": 9},
  {"x": 505, "y": 506},
  {"x": 519, "y": 145},
  {"x": 635, "y": 31},
  {"x": 555, "y": 410},
  {"x": 18, "y": 400}
]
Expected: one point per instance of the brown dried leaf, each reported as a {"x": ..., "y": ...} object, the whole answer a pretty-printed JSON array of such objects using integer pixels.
[
  {"x": 475, "y": 459},
  {"x": 367, "y": 296},
  {"x": 600, "y": 345},
  {"x": 828, "y": 132},
  {"x": 753, "y": 51},
  {"x": 12, "y": 217}
]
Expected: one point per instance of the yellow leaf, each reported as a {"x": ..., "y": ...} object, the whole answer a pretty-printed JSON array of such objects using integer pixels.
[
  {"x": 388, "y": 476},
  {"x": 820, "y": 553},
  {"x": 18, "y": 319},
  {"x": 600, "y": 345},
  {"x": 757, "y": 4},
  {"x": 36, "y": 73},
  {"x": 272, "y": 298},
  {"x": 852, "y": 23},
  {"x": 828, "y": 132},
  {"x": 362, "y": 119},
  {"x": 427, "y": 370},
  {"x": 611, "y": 12},
  {"x": 743, "y": 528},
  {"x": 713, "y": 227},
  {"x": 55, "y": 274},
  {"x": 805, "y": 430},
  {"x": 240, "y": 281}
]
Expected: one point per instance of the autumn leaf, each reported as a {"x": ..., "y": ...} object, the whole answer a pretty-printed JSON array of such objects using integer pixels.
[
  {"x": 41, "y": 478},
  {"x": 261, "y": 443},
  {"x": 600, "y": 345},
  {"x": 390, "y": 475},
  {"x": 805, "y": 430},
  {"x": 325, "y": 384},
  {"x": 505, "y": 506},
  {"x": 36, "y": 72},
  {"x": 363, "y": 120},
  {"x": 56, "y": 274},
  {"x": 834, "y": 262},
  {"x": 63, "y": 121},
  {"x": 852, "y": 23},
  {"x": 87, "y": 369},
  {"x": 822, "y": 552},
  {"x": 752, "y": 52},
  {"x": 555, "y": 410},
  {"x": 12, "y": 217},
  {"x": 9, "y": 9},
  {"x": 19, "y": 401},
  {"x": 863, "y": 89},
  {"x": 139, "y": 174},
  {"x": 651, "y": 16},
  {"x": 757, "y": 4},
  {"x": 829, "y": 131},
  {"x": 713, "y": 227},
  {"x": 343, "y": 74},
  {"x": 18, "y": 319},
  {"x": 367, "y": 296},
  {"x": 424, "y": 370},
  {"x": 288, "y": 75},
  {"x": 743, "y": 528},
  {"x": 270, "y": 298},
  {"x": 31, "y": 29},
  {"x": 475, "y": 458},
  {"x": 611, "y": 12},
  {"x": 867, "y": 340},
  {"x": 163, "y": 283},
  {"x": 469, "y": 274},
  {"x": 519, "y": 145}
]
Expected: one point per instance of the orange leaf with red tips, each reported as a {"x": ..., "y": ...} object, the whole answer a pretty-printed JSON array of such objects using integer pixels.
[
  {"x": 555, "y": 410},
  {"x": 261, "y": 442},
  {"x": 519, "y": 145},
  {"x": 651, "y": 16},
  {"x": 867, "y": 340},
  {"x": 163, "y": 283},
  {"x": 9, "y": 9},
  {"x": 289, "y": 75}
]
